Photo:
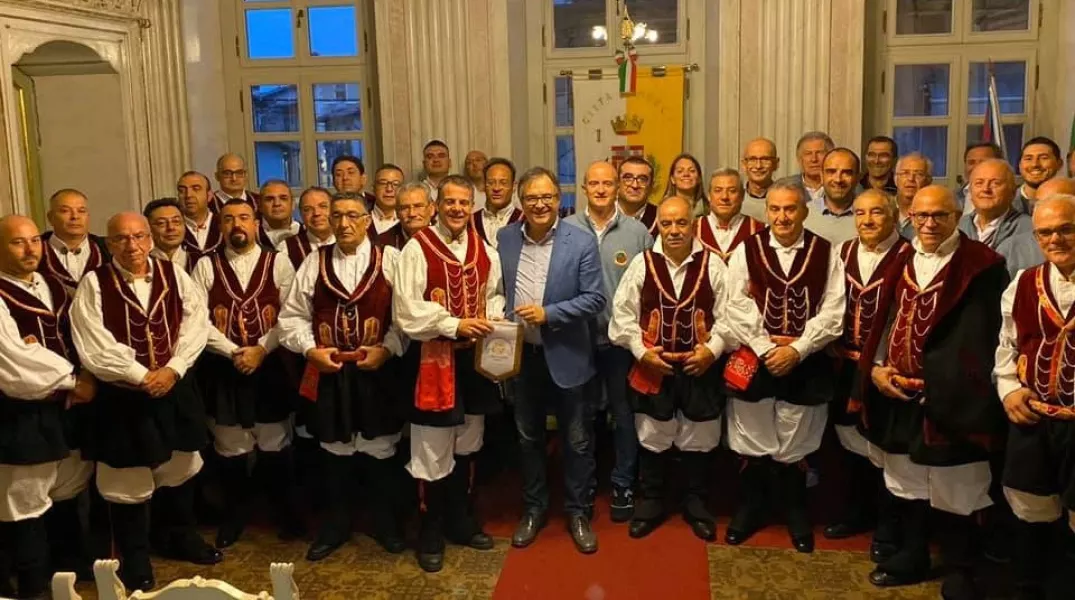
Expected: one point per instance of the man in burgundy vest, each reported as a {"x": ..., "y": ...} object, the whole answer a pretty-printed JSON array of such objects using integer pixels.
[
  {"x": 41, "y": 471},
  {"x": 70, "y": 250},
  {"x": 785, "y": 304},
  {"x": 636, "y": 184},
  {"x": 274, "y": 209},
  {"x": 232, "y": 176},
  {"x": 933, "y": 407},
  {"x": 383, "y": 216},
  {"x": 872, "y": 266},
  {"x": 1035, "y": 367},
  {"x": 725, "y": 227},
  {"x": 499, "y": 175},
  {"x": 242, "y": 377},
  {"x": 338, "y": 315},
  {"x": 167, "y": 227},
  {"x": 447, "y": 288},
  {"x": 203, "y": 226},
  {"x": 139, "y": 324},
  {"x": 664, "y": 313},
  {"x": 315, "y": 204}
]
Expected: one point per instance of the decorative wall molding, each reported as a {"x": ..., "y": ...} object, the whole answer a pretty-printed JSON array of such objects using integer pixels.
[{"x": 108, "y": 8}]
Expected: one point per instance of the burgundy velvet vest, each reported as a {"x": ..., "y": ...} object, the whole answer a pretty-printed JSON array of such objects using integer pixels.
[
  {"x": 479, "y": 223},
  {"x": 704, "y": 234},
  {"x": 345, "y": 319},
  {"x": 151, "y": 331},
  {"x": 787, "y": 300},
  {"x": 674, "y": 322},
  {"x": 243, "y": 315},
  {"x": 393, "y": 236},
  {"x": 916, "y": 313},
  {"x": 50, "y": 261},
  {"x": 458, "y": 287},
  {"x": 298, "y": 248},
  {"x": 38, "y": 323},
  {"x": 862, "y": 308},
  {"x": 1046, "y": 347}
]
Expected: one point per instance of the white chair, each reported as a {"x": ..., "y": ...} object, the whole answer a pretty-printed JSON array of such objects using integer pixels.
[{"x": 109, "y": 586}]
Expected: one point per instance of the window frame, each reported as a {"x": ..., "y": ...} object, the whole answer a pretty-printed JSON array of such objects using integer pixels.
[
  {"x": 613, "y": 16},
  {"x": 962, "y": 28},
  {"x": 300, "y": 32}
]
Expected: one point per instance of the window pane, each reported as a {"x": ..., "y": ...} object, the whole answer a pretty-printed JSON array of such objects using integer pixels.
[
  {"x": 931, "y": 141},
  {"x": 565, "y": 158},
  {"x": 275, "y": 108},
  {"x": 268, "y": 33},
  {"x": 1013, "y": 140},
  {"x": 333, "y": 31},
  {"x": 337, "y": 107},
  {"x": 579, "y": 24},
  {"x": 1000, "y": 15},
  {"x": 660, "y": 19},
  {"x": 328, "y": 150},
  {"x": 565, "y": 102},
  {"x": 1011, "y": 87},
  {"x": 917, "y": 17},
  {"x": 279, "y": 160},
  {"x": 920, "y": 91}
]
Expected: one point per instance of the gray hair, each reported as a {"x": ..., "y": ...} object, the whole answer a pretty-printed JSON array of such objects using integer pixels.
[
  {"x": 811, "y": 136},
  {"x": 792, "y": 183},
  {"x": 412, "y": 187},
  {"x": 919, "y": 156},
  {"x": 349, "y": 196},
  {"x": 726, "y": 172}
]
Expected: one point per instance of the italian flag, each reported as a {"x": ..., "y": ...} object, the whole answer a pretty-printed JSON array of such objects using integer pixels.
[{"x": 628, "y": 71}]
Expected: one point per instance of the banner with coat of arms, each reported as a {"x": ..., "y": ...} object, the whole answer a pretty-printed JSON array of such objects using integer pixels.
[{"x": 610, "y": 125}]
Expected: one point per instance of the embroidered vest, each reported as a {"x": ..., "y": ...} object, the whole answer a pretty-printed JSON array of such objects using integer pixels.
[
  {"x": 151, "y": 331},
  {"x": 479, "y": 223},
  {"x": 345, "y": 319},
  {"x": 37, "y": 323},
  {"x": 243, "y": 315},
  {"x": 703, "y": 232},
  {"x": 1046, "y": 347},
  {"x": 51, "y": 265},
  {"x": 298, "y": 248},
  {"x": 916, "y": 313},
  {"x": 458, "y": 287},
  {"x": 863, "y": 297},
  {"x": 393, "y": 236},
  {"x": 674, "y": 322},
  {"x": 787, "y": 301}
]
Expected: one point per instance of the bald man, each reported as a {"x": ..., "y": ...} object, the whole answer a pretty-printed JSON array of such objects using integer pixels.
[
  {"x": 1022, "y": 251},
  {"x": 758, "y": 163},
  {"x": 139, "y": 324},
  {"x": 992, "y": 191},
  {"x": 930, "y": 403},
  {"x": 231, "y": 176},
  {"x": 70, "y": 250},
  {"x": 474, "y": 170},
  {"x": 619, "y": 239},
  {"x": 41, "y": 471}
]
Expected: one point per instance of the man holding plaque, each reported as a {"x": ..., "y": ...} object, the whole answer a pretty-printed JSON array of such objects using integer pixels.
[
  {"x": 785, "y": 304},
  {"x": 447, "y": 290},
  {"x": 338, "y": 315},
  {"x": 664, "y": 312}
]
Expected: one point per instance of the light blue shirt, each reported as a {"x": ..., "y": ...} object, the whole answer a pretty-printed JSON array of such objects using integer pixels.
[{"x": 533, "y": 274}]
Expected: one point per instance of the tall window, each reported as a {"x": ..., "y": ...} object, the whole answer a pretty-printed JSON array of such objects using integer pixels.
[
  {"x": 302, "y": 73},
  {"x": 580, "y": 35},
  {"x": 938, "y": 57}
]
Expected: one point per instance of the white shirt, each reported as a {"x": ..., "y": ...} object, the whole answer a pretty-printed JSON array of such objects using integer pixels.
[
  {"x": 724, "y": 236},
  {"x": 533, "y": 275},
  {"x": 178, "y": 257},
  {"x": 315, "y": 243},
  {"x": 432, "y": 187},
  {"x": 744, "y": 320},
  {"x": 277, "y": 236},
  {"x": 243, "y": 265},
  {"x": 986, "y": 231},
  {"x": 928, "y": 264},
  {"x": 869, "y": 259},
  {"x": 296, "y": 314},
  {"x": 110, "y": 360},
  {"x": 201, "y": 232},
  {"x": 30, "y": 371},
  {"x": 74, "y": 263},
  {"x": 381, "y": 221},
  {"x": 602, "y": 229},
  {"x": 624, "y": 328},
  {"x": 493, "y": 221},
  {"x": 422, "y": 320},
  {"x": 224, "y": 197},
  {"x": 1005, "y": 369}
]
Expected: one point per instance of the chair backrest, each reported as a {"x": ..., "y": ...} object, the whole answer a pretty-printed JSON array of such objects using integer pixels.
[{"x": 109, "y": 586}]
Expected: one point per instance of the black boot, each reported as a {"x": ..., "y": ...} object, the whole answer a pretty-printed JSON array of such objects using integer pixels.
[
  {"x": 180, "y": 539},
  {"x": 68, "y": 544},
  {"x": 888, "y": 537},
  {"x": 752, "y": 513},
  {"x": 235, "y": 486},
  {"x": 860, "y": 499},
  {"x": 960, "y": 545},
  {"x": 1031, "y": 555},
  {"x": 790, "y": 479},
  {"x": 337, "y": 522},
  {"x": 277, "y": 471},
  {"x": 385, "y": 480},
  {"x": 7, "y": 588},
  {"x": 130, "y": 534},
  {"x": 433, "y": 500},
  {"x": 910, "y": 564},
  {"x": 695, "y": 512},
  {"x": 461, "y": 525},
  {"x": 31, "y": 557},
  {"x": 649, "y": 508}
]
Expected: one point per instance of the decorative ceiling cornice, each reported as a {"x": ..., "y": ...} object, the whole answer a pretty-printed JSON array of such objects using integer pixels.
[{"x": 113, "y": 8}]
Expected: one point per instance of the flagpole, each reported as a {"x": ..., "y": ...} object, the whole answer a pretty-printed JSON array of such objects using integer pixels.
[{"x": 994, "y": 113}]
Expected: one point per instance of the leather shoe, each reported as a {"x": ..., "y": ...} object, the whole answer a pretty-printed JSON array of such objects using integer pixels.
[
  {"x": 882, "y": 551},
  {"x": 704, "y": 529},
  {"x": 228, "y": 534},
  {"x": 581, "y": 533},
  {"x": 134, "y": 584},
  {"x": 188, "y": 546},
  {"x": 527, "y": 530},
  {"x": 839, "y": 531},
  {"x": 390, "y": 542},
  {"x": 478, "y": 541},
  {"x": 640, "y": 528},
  {"x": 321, "y": 549},
  {"x": 882, "y": 578},
  {"x": 431, "y": 562},
  {"x": 803, "y": 543}
]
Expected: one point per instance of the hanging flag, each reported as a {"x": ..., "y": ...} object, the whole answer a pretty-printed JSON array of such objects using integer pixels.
[
  {"x": 628, "y": 70},
  {"x": 993, "y": 129}
]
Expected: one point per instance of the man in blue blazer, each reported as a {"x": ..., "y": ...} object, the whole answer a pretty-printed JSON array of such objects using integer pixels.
[{"x": 553, "y": 285}]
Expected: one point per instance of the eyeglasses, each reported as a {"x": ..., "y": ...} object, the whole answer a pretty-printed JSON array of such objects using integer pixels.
[
  {"x": 1064, "y": 231},
  {"x": 124, "y": 240},
  {"x": 235, "y": 173},
  {"x": 939, "y": 217},
  {"x": 350, "y": 216},
  {"x": 547, "y": 200},
  {"x": 391, "y": 185},
  {"x": 630, "y": 179}
]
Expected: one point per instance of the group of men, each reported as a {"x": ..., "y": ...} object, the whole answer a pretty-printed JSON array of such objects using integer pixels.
[{"x": 868, "y": 299}]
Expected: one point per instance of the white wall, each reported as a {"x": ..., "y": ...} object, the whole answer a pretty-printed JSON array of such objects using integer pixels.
[
  {"x": 83, "y": 144},
  {"x": 204, "y": 72}
]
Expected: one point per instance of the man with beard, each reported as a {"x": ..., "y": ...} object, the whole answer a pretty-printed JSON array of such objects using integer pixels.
[
  {"x": 932, "y": 406},
  {"x": 203, "y": 229},
  {"x": 275, "y": 207},
  {"x": 759, "y": 162},
  {"x": 168, "y": 231},
  {"x": 872, "y": 265},
  {"x": 914, "y": 171},
  {"x": 785, "y": 304},
  {"x": 242, "y": 377},
  {"x": 1022, "y": 251},
  {"x": 636, "y": 183},
  {"x": 338, "y": 315},
  {"x": 1039, "y": 161},
  {"x": 994, "y": 220},
  {"x": 70, "y": 249},
  {"x": 139, "y": 324},
  {"x": 674, "y": 387},
  {"x": 447, "y": 289},
  {"x": 42, "y": 473},
  {"x": 435, "y": 163},
  {"x": 725, "y": 227},
  {"x": 497, "y": 211},
  {"x": 619, "y": 239},
  {"x": 974, "y": 154},
  {"x": 881, "y": 153},
  {"x": 316, "y": 230},
  {"x": 474, "y": 170},
  {"x": 231, "y": 175},
  {"x": 383, "y": 218},
  {"x": 832, "y": 216},
  {"x": 349, "y": 177},
  {"x": 1033, "y": 369},
  {"x": 810, "y": 151}
]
